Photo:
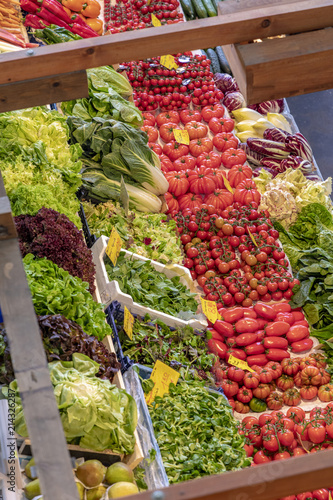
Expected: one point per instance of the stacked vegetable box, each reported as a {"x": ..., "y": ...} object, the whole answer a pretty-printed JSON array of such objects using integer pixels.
[{"x": 219, "y": 209}]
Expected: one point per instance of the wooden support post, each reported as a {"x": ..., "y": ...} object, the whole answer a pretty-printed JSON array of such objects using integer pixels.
[{"x": 31, "y": 370}]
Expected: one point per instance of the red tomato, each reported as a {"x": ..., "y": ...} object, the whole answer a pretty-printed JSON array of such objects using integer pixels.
[
  {"x": 167, "y": 116},
  {"x": 232, "y": 157},
  {"x": 245, "y": 339},
  {"x": 251, "y": 380},
  {"x": 262, "y": 391},
  {"x": 256, "y": 348},
  {"x": 187, "y": 115},
  {"x": 249, "y": 422},
  {"x": 172, "y": 202},
  {"x": 155, "y": 147},
  {"x": 220, "y": 199},
  {"x": 217, "y": 347},
  {"x": 284, "y": 382},
  {"x": 298, "y": 315},
  {"x": 290, "y": 366},
  {"x": 201, "y": 181},
  {"x": 296, "y": 414},
  {"x": 274, "y": 401},
  {"x": 286, "y": 317},
  {"x": 276, "y": 369},
  {"x": 215, "y": 111},
  {"x": 151, "y": 132},
  {"x": 175, "y": 150},
  {"x": 297, "y": 452},
  {"x": 218, "y": 125},
  {"x": 285, "y": 437},
  {"x": 233, "y": 315},
  {"x": 316, "y": 433},
  {"x": 166, "y": 131},
  {"x": 308, "y": 392},
  {"x": 235, "y": 374},
  {"x": 244, "y": 395},
  {"x": 281, "y": 307},
  {"x": 275, "y": 342},
  {"x": 281, "y": 456},
  {"x": 321, "y": 494},
  {"x": 310, "y": 375},
  {"x": 277, "y": 354},
  {"x": 196, "y": 130},
  {"x": 149, "y": 117},
  {"x": 288, "y": 423},
  {"x": 297, "y": 333},
  {"x": 291, "y": 397},
  {"x": 248, "y": 449},
  {"x": 261, "y": 458},
  {"x": 224, "y": 141},
  {"x": 264, "y": 310},
  {"x": 210, "y": 160},
  {"x": 178, "y": 184},
  {"x": 302, "y": 345},
  {"x": 200, "y": 146},
  {"x": 224, "y": 328},
  {"x": 166, "y": 164},
  {"x": 186, "y": 162},
  {"x": 239, "y": 173},
  {"x": 246, "y": 192},
  {"x": 277, "y": 329},
  {"x": 246, "y": 325},
  {"x": 258, "y": 359},
  {"x": 230, "y": 388},
  {"x": 305, "y": 496},
  {"x": 236, "y": 353},
  {"x": 271, "y": 443}
]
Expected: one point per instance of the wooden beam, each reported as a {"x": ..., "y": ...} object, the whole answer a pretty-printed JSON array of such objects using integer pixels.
[
  {"x": 41, "y": 91},
  {"x": 283, "y": 67},
  {"x": 32, "y": 374},
  {"x": 265, "y": 482},
  {"x": 134, "y": 45},
  {"x": 231, "y": 6}
]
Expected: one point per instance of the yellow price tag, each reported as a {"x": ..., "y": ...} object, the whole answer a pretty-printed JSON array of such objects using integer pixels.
[
  {"x": 209, "y": 309},
  {"x": 168, "y": 62},
  {"x": 155, "y": 21},
  {"x": 227, "y": 185},
  {"x": 148, "y": 2},
  {"x": 163, "y": 376},
  {"x": 330, "y": 496},
  {"x": 128, "y": 322},
  {"x": 239, "y": 363},
  {"x": 181, "y": 136},
  {"x": 252, "y": 237},
  {"x": 114, "y": 246}
]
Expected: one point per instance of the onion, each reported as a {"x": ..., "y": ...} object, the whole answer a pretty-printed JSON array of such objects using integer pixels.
[
  {"x": 225, "y": 82},
  {"x": 276, "y": 106},
  {"x": 234, "y": 100}
]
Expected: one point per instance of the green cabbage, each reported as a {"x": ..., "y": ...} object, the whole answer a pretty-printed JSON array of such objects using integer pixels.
[{"x": 95, "y": 413}]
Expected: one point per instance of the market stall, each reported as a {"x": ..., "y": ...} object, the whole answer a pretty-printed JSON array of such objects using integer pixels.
[{"x": 170, "y": 256}]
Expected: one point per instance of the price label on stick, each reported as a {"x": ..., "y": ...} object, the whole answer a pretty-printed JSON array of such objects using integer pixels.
[
  {"x": 168, "y": 62},
  {"x": 209, "y": 309},
  {"x": 227, "y": 185},
  {"x": 114, "y": 246},
  {"x": 181, "y": 136},
  {"x": 155, "y": 21},
  {"x": 163, "y": 376},
  {"x": 330, "y": 496},
  {"x": 239, "y": 363},
  {"x": 252, "y": 237},
  {"x": 128, "y": 322}
]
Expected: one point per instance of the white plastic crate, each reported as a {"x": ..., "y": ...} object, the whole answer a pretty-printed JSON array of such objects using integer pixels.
[{"x": 110, "y": 290}]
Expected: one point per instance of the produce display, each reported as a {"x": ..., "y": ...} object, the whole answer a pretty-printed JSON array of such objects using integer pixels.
[
  {"x": 61, "y": 338},
  {"x": 181, "y": 348},
  {"x": 97, "y": 415},
  {"x": 185, "y": 429},
  {"x": 152, "y": 289},
  {"x": 167, "y": 152},
  {"x": 161, "y": 245},
  {"x": 55, "y": 291}
]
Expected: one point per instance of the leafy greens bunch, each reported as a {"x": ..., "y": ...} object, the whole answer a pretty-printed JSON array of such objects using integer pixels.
[
  {"x": 150, "y": 288},
  {"x": 39, "y": 167},
  {"x": 196, "y": 433},
  {"x": 95, "y": 414},
  {"x": 55, "y": 291},
  {"x": 151, "y": 235},
  {"x": 108, "y": 91},
  {"x": 61, "y": 339},
  {"x": 181, "y": 347},
  {"x": 113, "y": 149},
  {"x": 52, "y": 235}
]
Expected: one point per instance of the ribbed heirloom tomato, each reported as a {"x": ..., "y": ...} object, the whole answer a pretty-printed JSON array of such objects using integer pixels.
[
  {"x": 187, "y": 115},
  {"x": 172, "y": 202},
  {"x": 220, "y": 199},
  {"x": 151, "y": 132},
  {"x": 186, "y": 162},
  {"x": 214, "y": 111},
  {"x": 167, "y": 116},
  {"x": 200, "y": 146},
  {"x": 232, "y": 157},
  {"x": 201, "y": 181},
  {"x": 218, "y": 125},
  {"x": 175, "y": 150},
  {"x": 196, "y": 130},
  {"x": 166, "y": 131},
  {"x": 189, "y": 200},
  {"x": 246, "y": 191},
  {"x": 239, "y": 173},
  {"x": 166, "y": 164},
  {"x": 178, "y": 184},
  {"x": 224, "y": 141},
  {"x": 210, "y": 160}
]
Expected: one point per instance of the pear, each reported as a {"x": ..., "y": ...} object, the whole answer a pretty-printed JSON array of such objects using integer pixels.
[
  {"x": 246, "y": 114},
  {"x": 96, "y": 493},
  {"x": 32, "y": 489},
  {"x": 279, "y": 121},
  {"x": 80, "y": 489},
  {"x": 31, "y": 473},
  {"x": 119, "y": 472},
  {"x": 91, "y": 473},
  {"x": 122, "y": 489},
  {"x": 245, "y": 125}
]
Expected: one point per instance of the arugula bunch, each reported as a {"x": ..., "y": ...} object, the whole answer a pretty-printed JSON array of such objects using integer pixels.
[
  {"x": 180, "y": 347},
  {"x": 150, "y": 288},
  {"x": 196, "y": 433}
]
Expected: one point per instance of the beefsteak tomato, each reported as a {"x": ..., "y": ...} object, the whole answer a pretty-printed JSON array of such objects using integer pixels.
[
  {"x": 238, "y": 174},
  {"x": 210, "y": 160},
  {"x": 191, "y": 201},
  {"x": 200, "y": 146},
  {"x": 196, "y": 130},
  {"x": 178, "y": 184},
  {"x": 246, "y": 191},
  {"x": 220, "y": 199},
  {"x": 175, "y": 150},
  {"x": 225, "y": 141},
  {"x": 201, "y": 181},
  {"x": 232, "y": 157},
  {"x": 167, "y": 116},
  {"x": 218, "y": 125}
]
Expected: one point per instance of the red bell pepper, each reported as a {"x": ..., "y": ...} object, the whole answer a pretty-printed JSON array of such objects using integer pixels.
[
  {"x": 84, "y": 31},
  {"x": 33, "y": 8},
  {"x": 35, "y": 22}
]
